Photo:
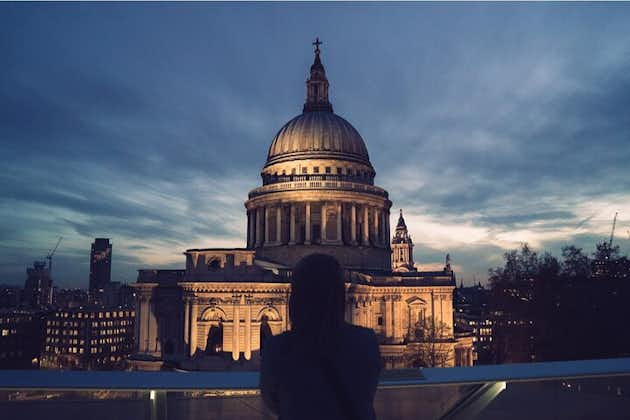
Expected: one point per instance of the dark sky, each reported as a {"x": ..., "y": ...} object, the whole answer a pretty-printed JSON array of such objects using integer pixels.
[{"x": 489, "y": 124}]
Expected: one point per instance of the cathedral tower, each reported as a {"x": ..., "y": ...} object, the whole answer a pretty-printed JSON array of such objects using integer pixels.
[{"x": 402, "y": 247}]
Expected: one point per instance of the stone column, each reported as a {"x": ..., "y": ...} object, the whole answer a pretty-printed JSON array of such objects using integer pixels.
[
  {"x": 137, "y": 323},
  {"x": 235, "y": 329},
  {"x": 307, "y": 227},
  {"x": 353, "y": 225},
  {"x": 252, "y": 227},
  {"x": 339, "y": 225},
  {"x": 143, "y": 317},
  {"x": 292, "y": 230},
  {"x": 377, "y": 239},
  {"x": 266, "y": 240},
  {"x": 349, "y": 310},
  {"x": 248, "y": 330},
  {"x": 152, "y": 342},
  {"x": 278, "y": 225},
  {"x": 194, "y": 308},
  {"x": 386, "y": 318},
  {"x": 366, "y": 226},
  {"x": 249, "y": 230},
  {"x": 187, "y": 323},
  {"x": 259, "y": 226},
  {"x": 324, "y": 223},
  {"x": 396, "y": 327}
]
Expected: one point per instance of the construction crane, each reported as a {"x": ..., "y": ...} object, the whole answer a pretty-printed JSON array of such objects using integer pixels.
[
  {"x": 612, "y": 233},
  {"x": 51, "y": 253}
]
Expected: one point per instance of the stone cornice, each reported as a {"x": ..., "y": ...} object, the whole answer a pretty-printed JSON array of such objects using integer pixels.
[{"x": 234, "y": 287}]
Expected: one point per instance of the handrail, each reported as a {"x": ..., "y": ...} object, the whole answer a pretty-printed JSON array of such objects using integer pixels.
[{"x": 197, "y": 381}]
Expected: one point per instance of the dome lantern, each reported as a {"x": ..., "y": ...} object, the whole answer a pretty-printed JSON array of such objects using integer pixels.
[{"x": 317, "y": 85}]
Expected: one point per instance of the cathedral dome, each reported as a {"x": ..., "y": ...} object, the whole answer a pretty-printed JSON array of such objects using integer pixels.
[{"x": 318, "y": 134}]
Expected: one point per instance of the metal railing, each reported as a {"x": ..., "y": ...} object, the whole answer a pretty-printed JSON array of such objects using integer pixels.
[
  {"x": 318, "y": 185},
  {"x": 488, "y": 380}
]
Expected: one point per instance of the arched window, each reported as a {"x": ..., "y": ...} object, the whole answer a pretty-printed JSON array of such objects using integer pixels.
[
  {"x": 265, "y": 331},
  {"x": 214, "y": 344}
]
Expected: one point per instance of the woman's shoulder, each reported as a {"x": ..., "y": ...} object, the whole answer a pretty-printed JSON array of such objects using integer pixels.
[
  {"x": 279, "y": 341},
  {"x": 359, "y": 333}
]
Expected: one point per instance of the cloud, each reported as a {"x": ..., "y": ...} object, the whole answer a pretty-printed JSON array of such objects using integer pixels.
[{"x": 489, "y": 125}]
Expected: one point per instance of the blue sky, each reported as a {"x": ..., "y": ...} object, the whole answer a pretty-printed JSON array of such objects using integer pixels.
[{"x": 489, "y": 124}]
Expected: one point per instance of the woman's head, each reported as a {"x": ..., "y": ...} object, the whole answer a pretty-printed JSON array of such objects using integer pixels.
[{"x": 317, "y": 297}]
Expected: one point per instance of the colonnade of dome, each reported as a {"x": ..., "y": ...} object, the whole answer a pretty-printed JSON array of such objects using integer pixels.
[{"x": 318, "y": 223}]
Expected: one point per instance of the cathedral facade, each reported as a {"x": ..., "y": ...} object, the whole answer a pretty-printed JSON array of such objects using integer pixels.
[{"x": 317, "y": 195}]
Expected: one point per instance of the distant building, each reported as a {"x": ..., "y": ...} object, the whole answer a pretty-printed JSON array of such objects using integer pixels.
[
  {"x": 606, "y": 267},
  {"x": 21, "y": 338},
  {"x": 38, "y": 286},
  {"x": 100, "y": 268},
  {"x": 88, "y": 338},
  {"x": 70, "y": 298},
  {"x": 10, "y": 296},
  {"x": 472, "y": 314}
]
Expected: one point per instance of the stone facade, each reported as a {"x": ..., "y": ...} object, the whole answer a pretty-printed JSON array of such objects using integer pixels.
[{"x": 317, "y": 195}]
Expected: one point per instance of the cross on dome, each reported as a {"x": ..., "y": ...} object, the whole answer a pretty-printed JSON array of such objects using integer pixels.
[{"x": 317, "y": 43}]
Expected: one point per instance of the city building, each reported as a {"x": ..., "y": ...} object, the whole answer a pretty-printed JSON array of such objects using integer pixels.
[
  {"x": 317, "y": 195},
  {"x": 100, "y": 268},
  {"x": 21, "y": 338},
  {"x": 88, "y": 338},
  {"x": 10, "y": 296},
  {"x": 472, "y": 314},
  {"x": 38, "y": 292},
  {"x": 70, "y": 298},
  {"x": 117, "y": 294}
]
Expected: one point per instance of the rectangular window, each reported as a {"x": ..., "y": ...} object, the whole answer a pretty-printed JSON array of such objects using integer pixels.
[
  {"x": 315, "y": 169},
  {"x": 380, "y": 320},
  {"x": 338, "y": 171},
  {"x": 304, "y": 170},
  {"x": 328, "y": 169}
]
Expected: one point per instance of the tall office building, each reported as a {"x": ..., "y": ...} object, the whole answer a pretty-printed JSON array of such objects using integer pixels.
[
  {"x": 38, "y": 286},
  {"x": 100, "y": 268}
]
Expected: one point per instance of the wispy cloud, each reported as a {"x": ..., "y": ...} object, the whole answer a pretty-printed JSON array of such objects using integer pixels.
[{"x": 491, "y": 125}]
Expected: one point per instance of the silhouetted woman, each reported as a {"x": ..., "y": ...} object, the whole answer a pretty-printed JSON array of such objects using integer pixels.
[{"x": 323, "y": 368}]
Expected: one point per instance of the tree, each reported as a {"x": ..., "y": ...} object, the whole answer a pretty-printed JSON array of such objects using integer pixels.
[
  {"x": 430, "y": 344},
  {"x": 575, "y": 263},
  {"x": 549, "y": 310}
]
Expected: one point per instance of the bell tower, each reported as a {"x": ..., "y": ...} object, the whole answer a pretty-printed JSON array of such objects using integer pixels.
[{"x": 402, "y": 247}]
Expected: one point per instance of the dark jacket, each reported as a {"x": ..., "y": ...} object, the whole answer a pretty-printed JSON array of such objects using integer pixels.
[{"x": 298, "y": 381}]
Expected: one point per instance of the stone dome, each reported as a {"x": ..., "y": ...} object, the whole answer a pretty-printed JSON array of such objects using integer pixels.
[{"x": 318, "y": 134}]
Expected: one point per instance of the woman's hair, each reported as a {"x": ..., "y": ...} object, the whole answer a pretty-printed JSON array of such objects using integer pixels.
[{"x": 317, "y": 301}]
